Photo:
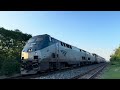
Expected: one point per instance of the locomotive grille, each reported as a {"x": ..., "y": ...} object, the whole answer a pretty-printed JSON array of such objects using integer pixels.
[{"x": 35, "y": 57}]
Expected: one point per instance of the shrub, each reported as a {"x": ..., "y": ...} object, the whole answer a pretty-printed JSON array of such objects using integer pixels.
[{"x": 10, "y": 67}]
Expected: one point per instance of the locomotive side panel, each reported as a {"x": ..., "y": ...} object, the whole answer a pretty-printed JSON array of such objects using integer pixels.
[
  {"x": 47, "y": 56},
  {"x": 71, "y": 56},
  {"x": 66, "y": 54}
]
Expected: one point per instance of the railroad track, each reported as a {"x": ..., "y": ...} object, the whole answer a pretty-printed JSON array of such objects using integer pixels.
[
  {"x": 55, "y": 73},
  {"x": 70, "y": 74},
  {"x": 91, "y": 73},
  {"x": 32, "y": 75},
  {"x": 39, "y": 74}
]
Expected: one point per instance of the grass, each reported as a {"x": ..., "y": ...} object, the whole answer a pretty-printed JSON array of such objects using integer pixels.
[{"x": 112, "y": 71}]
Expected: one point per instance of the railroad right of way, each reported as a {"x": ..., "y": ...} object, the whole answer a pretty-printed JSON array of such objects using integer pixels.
[{"x": 70, "y": 74}]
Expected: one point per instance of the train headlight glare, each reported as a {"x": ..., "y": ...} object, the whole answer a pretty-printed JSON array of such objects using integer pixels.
[{"x": 25, "y": 55}]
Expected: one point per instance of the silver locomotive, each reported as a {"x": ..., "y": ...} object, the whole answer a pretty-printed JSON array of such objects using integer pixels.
[{"x": 43, "y": 52}]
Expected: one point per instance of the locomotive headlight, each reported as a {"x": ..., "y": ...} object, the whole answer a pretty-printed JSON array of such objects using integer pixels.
[{"x": 25, "y": 55}]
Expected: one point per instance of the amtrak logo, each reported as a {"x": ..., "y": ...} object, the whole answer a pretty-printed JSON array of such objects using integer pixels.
[{"x": 63, "y": 52}]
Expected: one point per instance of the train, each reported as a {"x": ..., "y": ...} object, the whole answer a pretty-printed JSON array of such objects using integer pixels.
[{"x": 44, "y": 52}]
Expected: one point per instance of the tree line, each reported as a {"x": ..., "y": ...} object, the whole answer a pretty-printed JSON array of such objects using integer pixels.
[
  {"x": 11, "y": 45},
  {"x": 115, "y": 58}
]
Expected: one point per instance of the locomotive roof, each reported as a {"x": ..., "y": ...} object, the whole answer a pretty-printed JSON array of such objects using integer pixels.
[
  {"x": 44, "y": 35},
  {"x": 41, "y": 35}
]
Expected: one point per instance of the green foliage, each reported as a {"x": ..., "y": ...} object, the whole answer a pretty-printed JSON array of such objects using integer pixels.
[
  {"x": 113, "y": 69},
  {"x": 10, "y": 67},
  {"x": 115, "y": 58},
  {"x": 11, "y": 45}
]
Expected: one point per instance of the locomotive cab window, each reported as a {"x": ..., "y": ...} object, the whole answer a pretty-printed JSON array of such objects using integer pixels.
[
  {"x": 64, "y": 44},
  {"x": 39, "y": 39},
  {"x": 71, "y": 47},
  {"x": 67, "y": 45},
  {"x": 61, "y": 43},
  {"x": 52, "y": 39},
  {"x": 31, "y": 40}
]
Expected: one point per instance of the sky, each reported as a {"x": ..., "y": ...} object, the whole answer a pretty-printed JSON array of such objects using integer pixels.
[{"x": 94, "y": 31}]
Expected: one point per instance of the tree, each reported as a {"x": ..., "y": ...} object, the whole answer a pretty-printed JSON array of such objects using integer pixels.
[
  {"x": 17, "y": 30},
  {"x": 116, "y": 56},
  {"x": 11, "y": 45}
]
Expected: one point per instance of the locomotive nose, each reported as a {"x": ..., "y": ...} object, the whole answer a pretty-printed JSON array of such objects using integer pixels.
[{"x": 30, "y": 56}]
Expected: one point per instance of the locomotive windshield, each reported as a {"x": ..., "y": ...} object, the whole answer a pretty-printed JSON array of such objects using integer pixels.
[
  {"x": 36, "y": 43},
  {"x": 31, "y": 40}
]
